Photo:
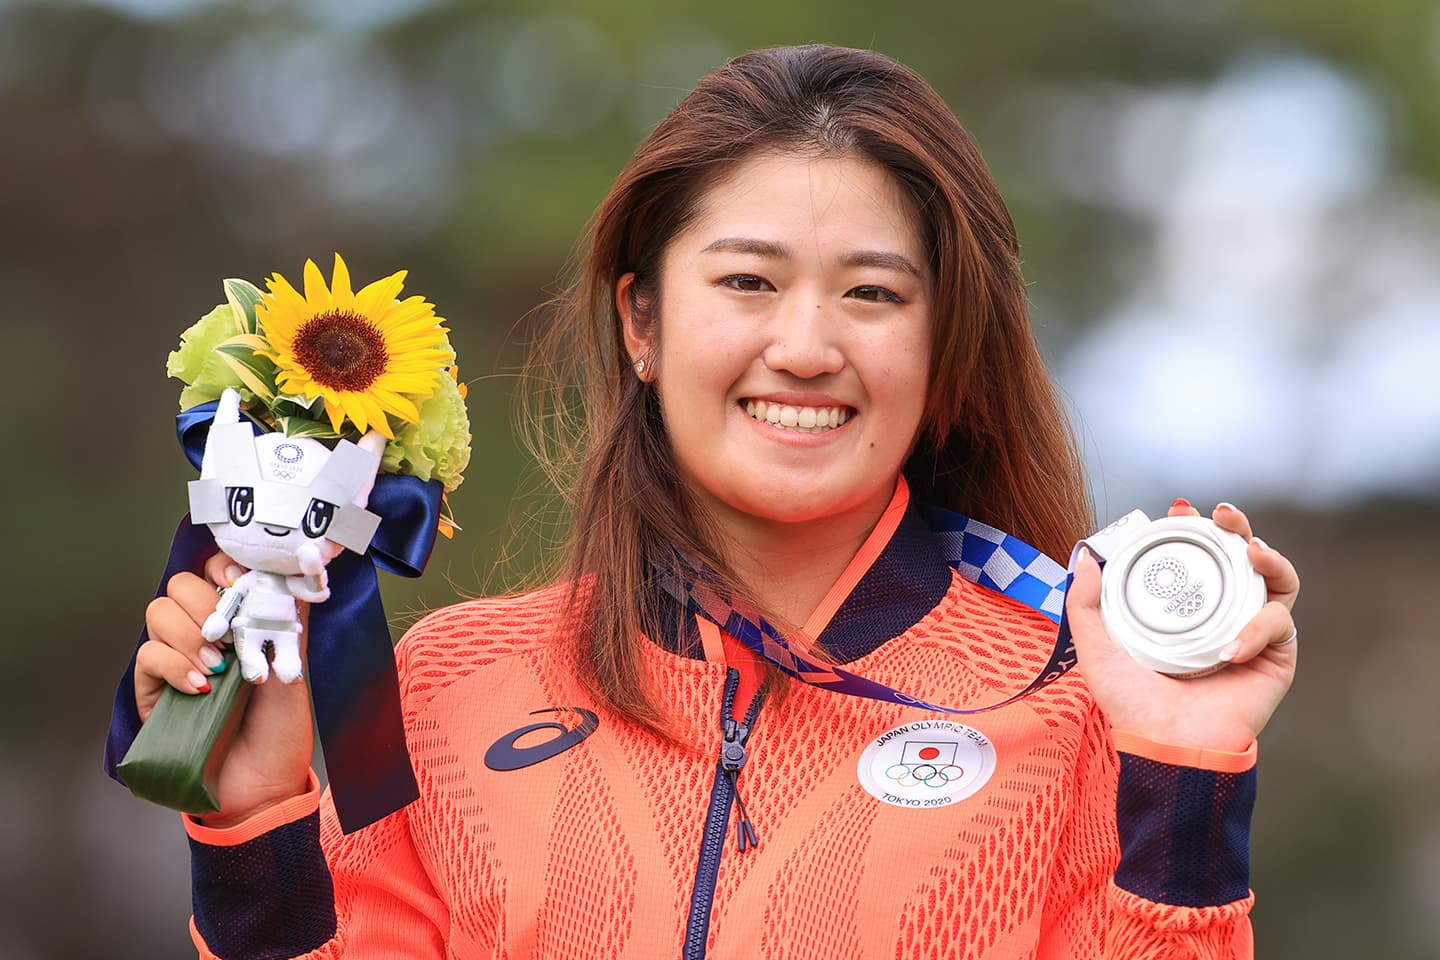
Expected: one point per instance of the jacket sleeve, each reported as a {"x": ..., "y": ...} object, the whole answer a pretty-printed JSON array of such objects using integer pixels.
[
  {"x": 270, "y": 887},
  {"x": 1154, "y": 861}
]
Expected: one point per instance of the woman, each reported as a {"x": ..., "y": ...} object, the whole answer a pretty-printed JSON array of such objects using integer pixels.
[{"x": 801, "y": 314}]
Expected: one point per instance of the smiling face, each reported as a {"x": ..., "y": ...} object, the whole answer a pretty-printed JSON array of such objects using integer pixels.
[{"x": 792, "y": 347}]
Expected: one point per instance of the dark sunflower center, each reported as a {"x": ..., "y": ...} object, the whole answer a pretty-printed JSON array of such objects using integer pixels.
[{"x": 341, "y": 350}]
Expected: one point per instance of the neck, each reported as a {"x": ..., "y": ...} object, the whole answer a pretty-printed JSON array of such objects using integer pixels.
[{"x": 789, "y": 567}]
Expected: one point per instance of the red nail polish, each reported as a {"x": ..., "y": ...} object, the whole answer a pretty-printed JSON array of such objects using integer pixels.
[
  {"x": 1182, "y": 503},
  {"x": 205, "y": 687}
]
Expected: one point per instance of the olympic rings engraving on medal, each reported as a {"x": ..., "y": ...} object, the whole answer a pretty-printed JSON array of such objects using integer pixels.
[{"x": 1188, "y": 603}]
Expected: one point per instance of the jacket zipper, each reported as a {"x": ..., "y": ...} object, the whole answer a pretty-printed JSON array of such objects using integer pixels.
[{"x": 724, "y": 793}]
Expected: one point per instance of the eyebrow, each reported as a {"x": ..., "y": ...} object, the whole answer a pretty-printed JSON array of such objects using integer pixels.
[{"x": 778, "y": 251}]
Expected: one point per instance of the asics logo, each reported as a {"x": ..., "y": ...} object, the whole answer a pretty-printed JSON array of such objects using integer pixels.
[{"x": 505, "y": 755}]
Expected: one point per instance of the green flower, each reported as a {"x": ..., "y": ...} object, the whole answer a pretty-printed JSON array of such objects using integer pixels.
[
  {"x": 438, "y": 447},
  {"x": 199, "y": 366}
]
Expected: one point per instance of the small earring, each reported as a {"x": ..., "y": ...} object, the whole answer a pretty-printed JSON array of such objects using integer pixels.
[{"x": 639, "y": 366}]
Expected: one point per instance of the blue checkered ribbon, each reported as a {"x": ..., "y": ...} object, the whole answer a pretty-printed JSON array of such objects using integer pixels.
[{"x": 981, "y": 554}]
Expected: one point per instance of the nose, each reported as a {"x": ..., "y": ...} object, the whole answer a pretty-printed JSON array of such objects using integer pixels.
[{"x": 804, "y": 341}]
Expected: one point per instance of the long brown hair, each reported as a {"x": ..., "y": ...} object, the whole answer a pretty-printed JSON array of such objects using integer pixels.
[{"x": 995, "y": 443}]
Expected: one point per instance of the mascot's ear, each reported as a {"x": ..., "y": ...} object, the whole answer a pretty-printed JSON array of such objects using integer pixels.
[
  {"x": 230, "y": 446},
  {"x": 229, "y": 409},
  {"x": 374, "y": 443}
]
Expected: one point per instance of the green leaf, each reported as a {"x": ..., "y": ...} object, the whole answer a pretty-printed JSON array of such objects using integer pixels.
[
  {"x": 301, "y": 401},
  {"x": 176, "y": 758},
  {"x": 302, "y": 427},
  {"x": 242, "y": 296},
  {"x": 257, "y": 372}
]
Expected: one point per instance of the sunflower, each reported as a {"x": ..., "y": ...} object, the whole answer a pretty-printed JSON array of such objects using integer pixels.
[{"x": 369, "y": 355}]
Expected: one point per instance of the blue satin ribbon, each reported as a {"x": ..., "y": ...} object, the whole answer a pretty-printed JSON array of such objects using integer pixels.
[
  {"x": 977, "y": 551},
  {"x": 353, "y": 683}
]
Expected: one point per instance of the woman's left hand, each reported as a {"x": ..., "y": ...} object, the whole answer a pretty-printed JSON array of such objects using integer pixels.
[{"x": 1224, "y": 710}]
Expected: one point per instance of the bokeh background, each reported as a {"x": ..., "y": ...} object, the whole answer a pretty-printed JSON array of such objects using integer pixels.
[{"x": 1231, "y": 223}]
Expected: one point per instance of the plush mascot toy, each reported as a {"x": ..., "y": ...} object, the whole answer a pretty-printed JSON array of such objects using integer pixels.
[{"x": 284, "y": 507}]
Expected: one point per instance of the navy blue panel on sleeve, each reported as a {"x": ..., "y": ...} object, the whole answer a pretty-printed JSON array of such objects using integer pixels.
[
  {"x": 1184, "y": 833},
  {"x": 267, "y": 898}
]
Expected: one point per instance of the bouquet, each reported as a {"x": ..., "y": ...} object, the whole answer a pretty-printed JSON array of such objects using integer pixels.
[{"x": 328, "y": 428}]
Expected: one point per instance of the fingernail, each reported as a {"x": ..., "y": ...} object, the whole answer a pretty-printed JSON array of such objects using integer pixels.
[
  {"x": 1228, "y": 505},
  {"x": 1182, "y": 503},
  {"x": 232, "y": 573},
  {"x": 213, "y": 659},
  {"x": 1227, "y": 653},
  {"x": 1260, "y": 543},
  {"x": 200, "y": 684}
]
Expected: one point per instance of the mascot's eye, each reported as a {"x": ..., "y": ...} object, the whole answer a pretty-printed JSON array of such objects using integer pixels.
[
  {"x": 317, "y": 518},
  {"x": 242, "y": 505}
]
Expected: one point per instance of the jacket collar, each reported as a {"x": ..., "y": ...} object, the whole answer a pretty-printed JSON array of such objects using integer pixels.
[{"x": 897, "y": 577}]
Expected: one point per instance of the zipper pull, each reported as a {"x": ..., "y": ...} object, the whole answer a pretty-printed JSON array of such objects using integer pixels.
[
  {"x": 745, "y": 836},
  {"x": 732, "y": 758}
]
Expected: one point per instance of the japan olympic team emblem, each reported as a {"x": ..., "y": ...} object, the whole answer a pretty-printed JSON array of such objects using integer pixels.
[{"x": 928, "y": 763}]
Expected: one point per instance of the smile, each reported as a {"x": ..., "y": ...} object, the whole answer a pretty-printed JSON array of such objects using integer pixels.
[{"x": 803, "y": 419}]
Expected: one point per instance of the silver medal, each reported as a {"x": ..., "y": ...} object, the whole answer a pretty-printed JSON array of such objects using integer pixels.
[{"x": 1175, "y": 591}]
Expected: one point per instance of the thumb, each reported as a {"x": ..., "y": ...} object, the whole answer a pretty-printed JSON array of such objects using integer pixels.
[{"x": 1082, "y": 608}]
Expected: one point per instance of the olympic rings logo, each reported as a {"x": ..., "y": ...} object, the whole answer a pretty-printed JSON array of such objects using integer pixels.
[{"x": 924, "y": 774}]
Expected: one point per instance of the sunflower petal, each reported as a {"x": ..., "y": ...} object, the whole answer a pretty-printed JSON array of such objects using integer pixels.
[
  {"x": 317, "y": 295},
  {"x": 340, "y": 286},
  {"x": 336, "y": 413},
  {"x": 375, "y": 297},
  {"x": 394, "y": 403},
  {"x": 284, "y": 310},
  {"x": 377, "y": 417}
]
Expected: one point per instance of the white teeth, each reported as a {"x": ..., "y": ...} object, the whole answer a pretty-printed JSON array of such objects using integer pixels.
[{"x": 804, "y": 419}]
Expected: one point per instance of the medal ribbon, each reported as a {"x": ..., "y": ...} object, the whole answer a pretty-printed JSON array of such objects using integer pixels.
[
  {"x": 979, "y": 552},
  {"x": 351, "y": 661}
]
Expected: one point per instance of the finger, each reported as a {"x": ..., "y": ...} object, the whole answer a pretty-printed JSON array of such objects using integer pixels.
[
  {"x": 1281, "y": 580},
  {"x": 1182, "y": 508},
  {"x": 1082, "y": 609},
  {"x": 158, "y": 664},
  {"x": 195, "y": 596},
  {"x": 169, "y": 622},
  {"x": 1267, "y": 630},
  {"x": 1230, "y": 517},
  {"x": 222, "y": 571}
]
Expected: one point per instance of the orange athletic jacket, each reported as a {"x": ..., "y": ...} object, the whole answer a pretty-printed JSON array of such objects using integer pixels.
[{"x": 548, "y": 827}]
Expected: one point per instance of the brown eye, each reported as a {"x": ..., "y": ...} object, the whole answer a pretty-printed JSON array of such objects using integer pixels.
[
  {"x": 874, "y": 294},
  {"x": 745, "y": 282}
]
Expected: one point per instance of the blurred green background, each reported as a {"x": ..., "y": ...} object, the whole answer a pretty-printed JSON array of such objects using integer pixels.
[{"x": 1231, "y": 224}]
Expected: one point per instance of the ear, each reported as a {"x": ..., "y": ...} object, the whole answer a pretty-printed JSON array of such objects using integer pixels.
[
  {"x": 373, "y": 442},
  {"x": 228, "y": 411},
  {"x": 639, "y": 332}
]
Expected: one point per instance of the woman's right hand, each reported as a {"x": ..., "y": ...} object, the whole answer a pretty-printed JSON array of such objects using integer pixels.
[{"x": 269, "y": 759}]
